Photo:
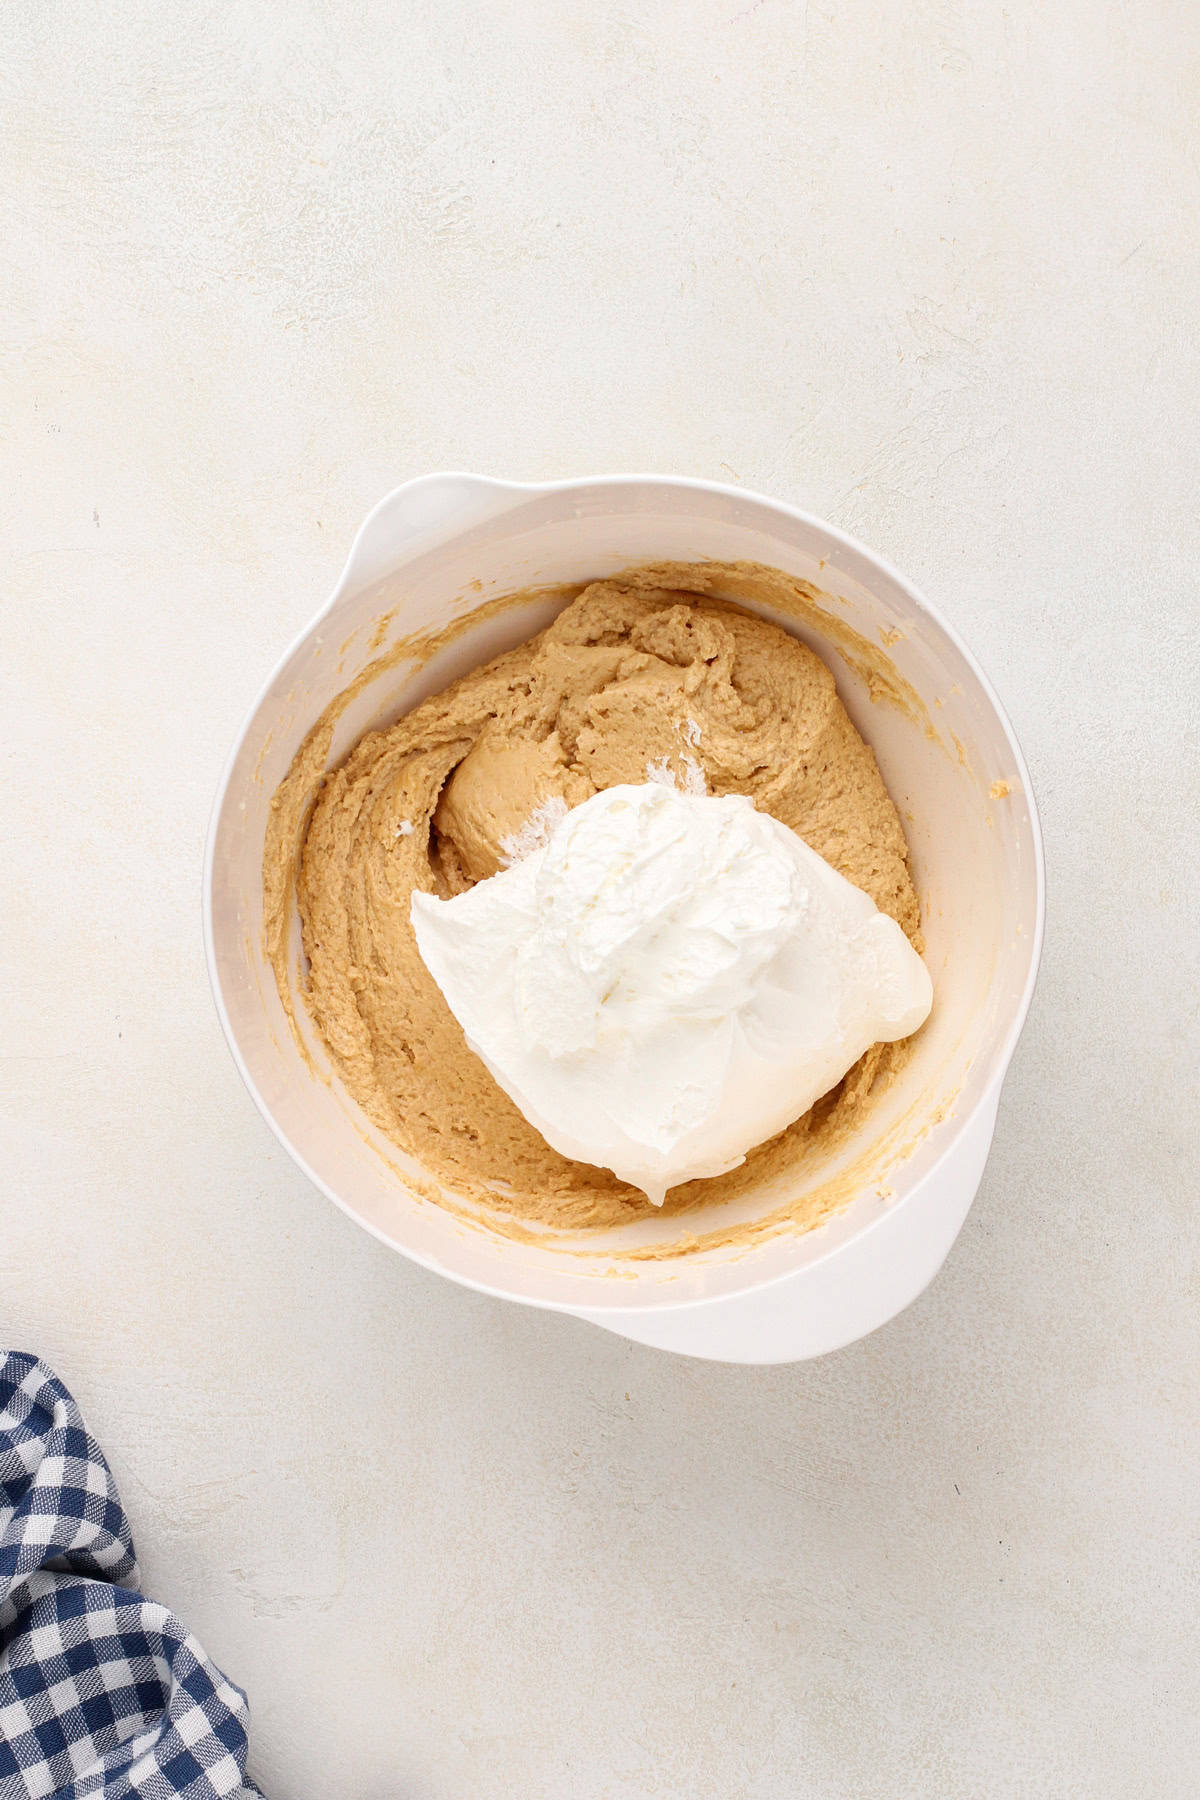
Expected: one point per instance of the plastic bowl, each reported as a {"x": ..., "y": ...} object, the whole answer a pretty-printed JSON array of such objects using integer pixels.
[{"x": 432, "y": 554}]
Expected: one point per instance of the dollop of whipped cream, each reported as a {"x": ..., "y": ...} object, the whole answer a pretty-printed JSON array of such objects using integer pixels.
[{"x": 672, "y": 979}]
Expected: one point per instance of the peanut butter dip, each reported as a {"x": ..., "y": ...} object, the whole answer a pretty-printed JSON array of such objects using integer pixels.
[{"x": 645, "y": 676}]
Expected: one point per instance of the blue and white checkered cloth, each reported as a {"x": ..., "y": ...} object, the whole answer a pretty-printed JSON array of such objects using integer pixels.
[{"x": 102, "y": 1693}]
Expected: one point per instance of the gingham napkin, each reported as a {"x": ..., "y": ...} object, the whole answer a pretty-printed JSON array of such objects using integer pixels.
[{"x": 101, "y": 1692}]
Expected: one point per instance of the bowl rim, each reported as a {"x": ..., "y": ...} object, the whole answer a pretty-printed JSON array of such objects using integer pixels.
[{"x": 1001, "y": 1057}]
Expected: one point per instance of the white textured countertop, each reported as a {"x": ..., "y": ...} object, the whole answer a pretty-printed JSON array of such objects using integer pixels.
[{"x": 926, "y": 269}]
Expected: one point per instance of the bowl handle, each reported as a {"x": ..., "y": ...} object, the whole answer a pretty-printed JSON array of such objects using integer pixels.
[{"x": 418, "y": 516}]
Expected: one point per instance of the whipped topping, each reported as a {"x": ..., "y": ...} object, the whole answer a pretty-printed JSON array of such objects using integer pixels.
[
  {"x": 689, "y": 776},
  {"x": 534, "y": 833},
  {"x": 671, "y": 979}
]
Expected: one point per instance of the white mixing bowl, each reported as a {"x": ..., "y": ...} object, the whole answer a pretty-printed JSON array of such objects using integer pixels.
[{"x": 433, "y": 553}]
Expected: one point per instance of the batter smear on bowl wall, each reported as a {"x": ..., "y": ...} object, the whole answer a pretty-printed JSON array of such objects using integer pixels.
[{"x": 641, "y": 678}]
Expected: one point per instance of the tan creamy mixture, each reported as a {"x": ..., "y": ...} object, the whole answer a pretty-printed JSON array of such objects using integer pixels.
[{"x": 641, "y": 676}]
